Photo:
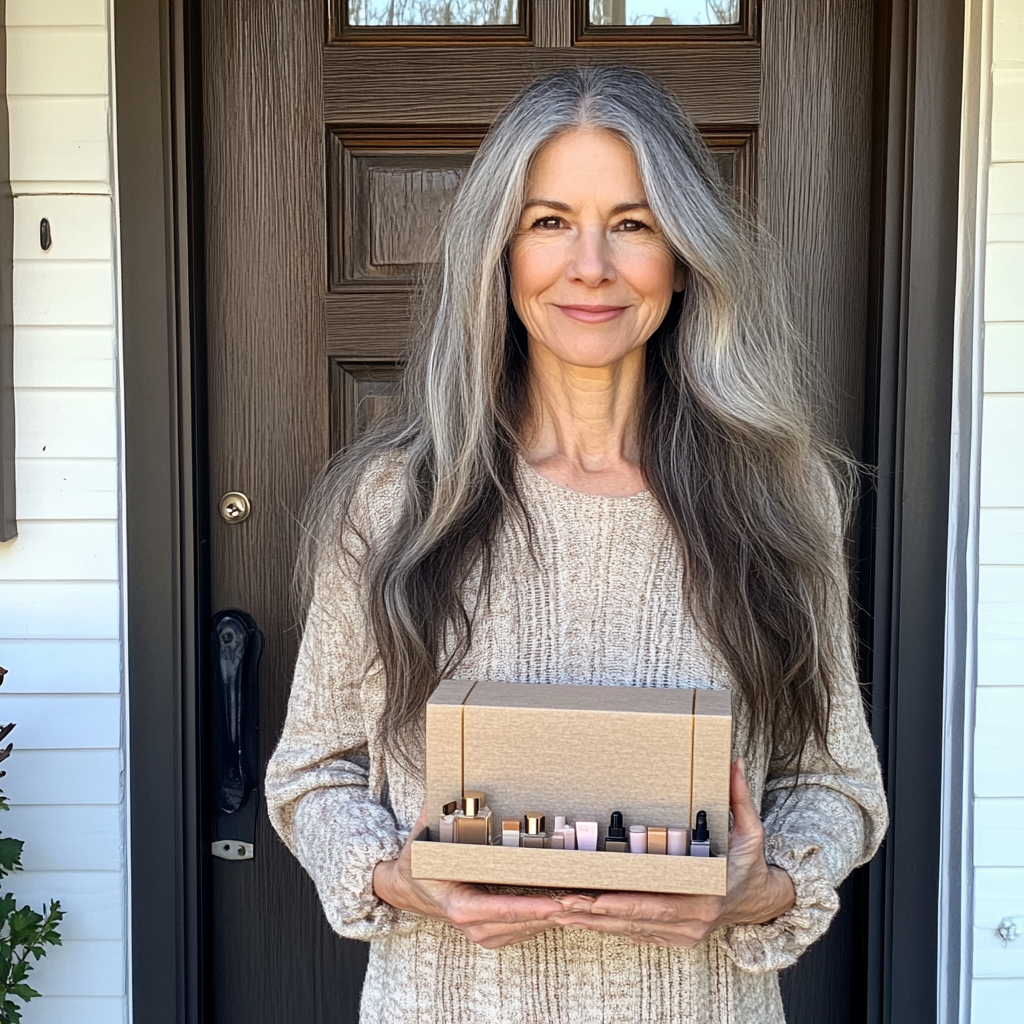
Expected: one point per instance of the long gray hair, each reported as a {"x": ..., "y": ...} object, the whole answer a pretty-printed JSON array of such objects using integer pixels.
[{"x": 725, "y": 430}]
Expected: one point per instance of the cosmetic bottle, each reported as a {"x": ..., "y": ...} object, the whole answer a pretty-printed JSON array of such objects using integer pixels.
[
  {"x": 637, "y": 838},
  {"x": 556, "y": 841},
  {"x": 678, "y": 842},
  {"x": 534, "y": 835},
  {"x": 616, "y": 840},
  {"x": 510, "y": 832},
  {"x": 446, "y": 826},
  {"x": 567, "y": 832},
  {"x": 657, "y": 839},
  {"x": 700, "y": 843},
  {"x": 586, "y": 835},
  {"x": 474, "y": 825}
]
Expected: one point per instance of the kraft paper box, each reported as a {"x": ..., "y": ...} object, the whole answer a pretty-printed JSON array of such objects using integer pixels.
[{"x": 657, "y": 755}]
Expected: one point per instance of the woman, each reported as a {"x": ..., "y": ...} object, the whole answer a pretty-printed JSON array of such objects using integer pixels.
[{"x": 603, "y": 473}]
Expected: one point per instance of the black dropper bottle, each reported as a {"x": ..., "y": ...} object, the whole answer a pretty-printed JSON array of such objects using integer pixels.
[
  {"x": 700, "y": 843},
  {"x": 617, "y": 841}
]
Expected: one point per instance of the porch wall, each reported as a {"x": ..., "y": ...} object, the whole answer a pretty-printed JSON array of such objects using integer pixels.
[
  {"x": 998, "y": 769},
  {"x": 60, "y": 592}
]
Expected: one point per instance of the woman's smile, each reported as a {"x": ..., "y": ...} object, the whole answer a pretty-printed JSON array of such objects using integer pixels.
[{"x": 592, "y": 314}]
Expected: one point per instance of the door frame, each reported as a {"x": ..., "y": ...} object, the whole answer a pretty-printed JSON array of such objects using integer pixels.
[{"x": 914, "y": 247}]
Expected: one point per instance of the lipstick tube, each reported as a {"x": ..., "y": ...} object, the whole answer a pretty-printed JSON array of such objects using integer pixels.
[
  {"x": 534, "y": 835},
  {"x": 700, "y": 842},
  {"x": 678, "y": 842},
  {"x": 657, "y": 839},
  {"x": 637, "y": 838},
  {"x": 474, "y": 826},
  {"x": 616, "y": 841}
]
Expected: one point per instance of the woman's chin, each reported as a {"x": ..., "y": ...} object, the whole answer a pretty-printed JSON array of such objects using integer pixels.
[{"x": 591, "y": 356}]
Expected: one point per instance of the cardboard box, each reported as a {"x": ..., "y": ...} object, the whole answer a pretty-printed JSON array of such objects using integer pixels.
[{"x": 657, "y": 755}]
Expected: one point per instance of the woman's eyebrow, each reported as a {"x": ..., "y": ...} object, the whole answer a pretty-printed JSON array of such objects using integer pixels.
[
  {"x": 550, "y": 203},
  {"x": 553, "y": 204}
]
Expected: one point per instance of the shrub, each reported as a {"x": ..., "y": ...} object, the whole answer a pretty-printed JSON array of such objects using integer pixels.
[{"x": 24, "y": 933}]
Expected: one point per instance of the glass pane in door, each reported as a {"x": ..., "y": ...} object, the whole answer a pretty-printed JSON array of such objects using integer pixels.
[
  {"x": 389, "y": 13},
  {"x": 664, "y": 12}
]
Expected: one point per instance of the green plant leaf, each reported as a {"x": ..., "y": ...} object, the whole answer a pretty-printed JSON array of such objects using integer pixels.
[
  {"x": 23, "y": 992},
  {"x": 10, "y": 855}
]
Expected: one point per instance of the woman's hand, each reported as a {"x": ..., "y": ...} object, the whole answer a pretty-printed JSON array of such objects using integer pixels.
[
  {"x": 489, "y": 919},
  {"x": 758, "y": 892}
]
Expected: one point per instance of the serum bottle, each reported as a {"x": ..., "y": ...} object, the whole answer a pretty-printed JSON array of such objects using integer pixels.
[
  {"x": 474, "y": 826},
  {"x": 534, "y": 835},
  {"x": 700, "y": 843},
  {"x": 616, "y": 841}
]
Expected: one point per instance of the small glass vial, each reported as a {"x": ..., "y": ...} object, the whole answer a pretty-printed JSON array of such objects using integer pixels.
[
  {"x": 473, "y": 827},
  {"x": 534, "y": 835},
  {"x": 510, "y": 831},
  {"x": 446, "y": 826}
]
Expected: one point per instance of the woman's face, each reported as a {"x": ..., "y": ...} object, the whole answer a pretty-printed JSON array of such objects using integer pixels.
[{"x": 592, "y": 274}]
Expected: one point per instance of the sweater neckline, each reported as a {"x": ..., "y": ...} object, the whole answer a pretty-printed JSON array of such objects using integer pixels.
[{"x": 541, "y": 482}]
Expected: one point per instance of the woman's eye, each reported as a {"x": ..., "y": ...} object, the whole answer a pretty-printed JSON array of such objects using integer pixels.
[
  {"x": 548, "y": 223},
  {"x": 632, "y": 225}
]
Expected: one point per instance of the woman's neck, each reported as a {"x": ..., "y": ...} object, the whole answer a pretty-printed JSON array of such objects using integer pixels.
[{"x": 581, "y": 427}]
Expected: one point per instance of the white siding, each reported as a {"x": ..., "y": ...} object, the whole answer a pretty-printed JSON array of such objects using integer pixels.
[
  {"x": 998, "y": 769},
  {"x": 60, "y": 590}
]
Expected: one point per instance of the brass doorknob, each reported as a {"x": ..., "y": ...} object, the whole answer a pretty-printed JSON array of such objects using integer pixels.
[{"x": 234, "y": 507}]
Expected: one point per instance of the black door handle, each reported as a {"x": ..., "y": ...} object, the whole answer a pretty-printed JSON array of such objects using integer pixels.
[{"x": 236, "y": 644}]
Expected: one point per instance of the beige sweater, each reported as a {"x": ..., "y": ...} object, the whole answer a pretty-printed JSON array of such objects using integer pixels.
[{"x": 597, "y": 604}]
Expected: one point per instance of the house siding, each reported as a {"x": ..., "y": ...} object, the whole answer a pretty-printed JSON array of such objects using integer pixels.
[
  {"x": 997, "y": 984},
  {"x": 60, "y": 579}
]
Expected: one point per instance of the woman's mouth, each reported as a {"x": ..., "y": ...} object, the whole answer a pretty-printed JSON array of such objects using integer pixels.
[{"x": 593, "y": 314}]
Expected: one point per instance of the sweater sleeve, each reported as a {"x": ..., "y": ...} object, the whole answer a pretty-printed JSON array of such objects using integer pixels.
[
  {"x": 318, "y": 789},
  {"x": 818, "y": 830}
]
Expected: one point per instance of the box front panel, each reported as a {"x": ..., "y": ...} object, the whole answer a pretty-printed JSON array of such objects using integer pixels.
[{"x": 583, "y": 764}]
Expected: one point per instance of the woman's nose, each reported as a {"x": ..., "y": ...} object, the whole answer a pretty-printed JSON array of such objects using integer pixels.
[{"x": 590, "y": 260}]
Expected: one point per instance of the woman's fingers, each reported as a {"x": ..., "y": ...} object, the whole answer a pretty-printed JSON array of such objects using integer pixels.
[
  {"x": 469, "y": 905},
  {"x": 685, "y": 933},
  {"x": 746, "y": 820}
]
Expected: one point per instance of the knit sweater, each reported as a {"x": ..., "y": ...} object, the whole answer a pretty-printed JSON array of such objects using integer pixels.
[{"x": 592, "y": 598}]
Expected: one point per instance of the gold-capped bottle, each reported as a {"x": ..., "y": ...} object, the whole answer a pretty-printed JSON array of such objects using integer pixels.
[
  {"x": 534, "y": 835},
  {"x": 474, "y": 825}
]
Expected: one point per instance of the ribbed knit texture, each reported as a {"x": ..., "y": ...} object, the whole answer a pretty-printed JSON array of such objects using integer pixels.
[{"x": 597, "y": 603}]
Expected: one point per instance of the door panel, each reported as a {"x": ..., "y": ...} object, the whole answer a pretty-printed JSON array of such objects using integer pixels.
[{"x": 330, "y": 156}]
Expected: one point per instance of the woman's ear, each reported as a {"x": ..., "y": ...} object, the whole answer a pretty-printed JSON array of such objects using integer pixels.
[{"x": 679, "y": 284}]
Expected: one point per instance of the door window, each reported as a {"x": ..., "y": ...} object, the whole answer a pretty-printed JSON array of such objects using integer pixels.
[
  {"x": 659, "y": 12},
  {"x": 401, "y": 13}
]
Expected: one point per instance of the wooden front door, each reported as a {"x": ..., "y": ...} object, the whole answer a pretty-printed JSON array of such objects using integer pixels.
[{"x": 333, "y": 141}]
